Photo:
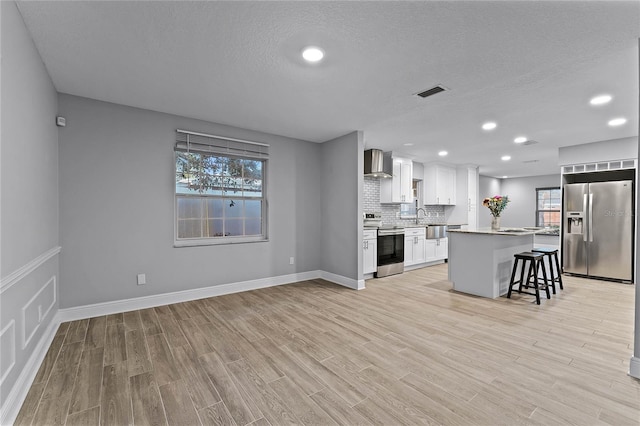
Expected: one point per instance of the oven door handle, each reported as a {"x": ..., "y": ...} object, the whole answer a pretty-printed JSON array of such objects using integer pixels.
[{"x": 384, "y": 233}]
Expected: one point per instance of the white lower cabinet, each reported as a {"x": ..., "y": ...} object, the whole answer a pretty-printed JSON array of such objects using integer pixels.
[
  {"x": 442, "y": 248},
  {"x": 437, "y": 249},
  {"x": 370, "y": 251},
  {"x": 414, "y": 246}
]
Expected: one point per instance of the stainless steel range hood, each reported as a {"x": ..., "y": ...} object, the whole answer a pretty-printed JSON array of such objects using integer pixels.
[{"x": 374, "y": 164}]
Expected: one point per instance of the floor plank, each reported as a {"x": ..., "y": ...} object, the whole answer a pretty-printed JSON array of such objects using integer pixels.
[
  {"x": 116, "y": 396},
  {"x": 177, "y": 404},
  {"x": 146, "y": 400}
]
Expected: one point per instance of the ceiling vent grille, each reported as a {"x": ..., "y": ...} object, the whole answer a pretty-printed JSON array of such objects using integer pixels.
[
  {"x": 529, "y": 142},
  {"x": 432, "y": 91},
  {"x": 530, "y": 161}
]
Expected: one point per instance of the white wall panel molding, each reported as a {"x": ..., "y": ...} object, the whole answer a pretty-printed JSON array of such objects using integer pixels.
[
  {"x": 106, "y": 308},
  {"x": 20, "y": 273},
  {"x": 7, "y": 351},
  {"x": 11, "y": 405},
  {"x": 32, "y": 311}
]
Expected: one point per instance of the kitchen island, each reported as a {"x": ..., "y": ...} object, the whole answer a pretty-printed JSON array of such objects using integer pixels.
[{"x": 481, "y": 260}]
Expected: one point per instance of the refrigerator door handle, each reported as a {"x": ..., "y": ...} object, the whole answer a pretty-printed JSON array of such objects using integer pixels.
[
  {"x": 590, "y": 217},
  {"x": 584, "y": 210}
]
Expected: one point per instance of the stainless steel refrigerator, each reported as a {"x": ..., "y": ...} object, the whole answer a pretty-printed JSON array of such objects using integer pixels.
[{"x": 598, "y": 229}]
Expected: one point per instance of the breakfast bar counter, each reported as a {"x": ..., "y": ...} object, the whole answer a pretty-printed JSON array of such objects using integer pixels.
[{"x": 480, "y": 260}]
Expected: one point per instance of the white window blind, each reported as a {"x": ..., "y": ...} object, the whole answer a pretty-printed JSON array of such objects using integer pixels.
[{"x": 187, "y": 141}]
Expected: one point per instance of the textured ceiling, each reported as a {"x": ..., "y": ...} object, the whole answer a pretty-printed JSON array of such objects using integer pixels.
[{"x": 530, "y": 66}]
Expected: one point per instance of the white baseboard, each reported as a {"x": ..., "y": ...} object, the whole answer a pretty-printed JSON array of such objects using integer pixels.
[
  {"x": 634, "y": 367},
  {"x": 117, "y": 306},
  {"x": 344, "y": 281},
  {"x": 11, "y": 406}
]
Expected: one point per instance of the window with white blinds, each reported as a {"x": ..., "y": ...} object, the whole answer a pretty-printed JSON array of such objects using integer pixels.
[{"x": 220, "y": 192}]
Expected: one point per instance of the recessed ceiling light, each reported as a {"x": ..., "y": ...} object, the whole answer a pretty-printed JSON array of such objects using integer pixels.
[
  {"x": 408, "y": 144},
  {"x": 490, "y": 125},
  {"x": 443, "y": 153},
  {"x": 617, "y": 121},
  {"x": 312, "y": 54},
  {"x": 600, "y": 100},
  {"x": 520, "y": 139},
  {"x": 505, "y": 158}
]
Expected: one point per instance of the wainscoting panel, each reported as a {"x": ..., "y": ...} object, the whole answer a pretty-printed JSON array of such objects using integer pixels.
[
  {"x": 37, "y": 309},
  {"x": 7, "y": 350},
  {"x": 28, "y": 311}
]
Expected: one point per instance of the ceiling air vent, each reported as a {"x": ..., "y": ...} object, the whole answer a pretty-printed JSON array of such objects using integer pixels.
[
  {"x": 531, "y": 161},
  {"x": 529, "y": 142},
  {"x": 432, "y": 91}
]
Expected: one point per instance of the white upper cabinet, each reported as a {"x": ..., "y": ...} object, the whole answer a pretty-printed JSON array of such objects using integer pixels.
[
  {"x": 398, "y": 188},
  {"x": 439, "y": 184},
  {"x": 465, "y": 212}
]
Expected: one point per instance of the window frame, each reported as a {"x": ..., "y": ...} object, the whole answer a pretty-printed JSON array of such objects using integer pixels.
[
  {"x": 538, "y": 211},
  {"x": 222, "y": 240}
]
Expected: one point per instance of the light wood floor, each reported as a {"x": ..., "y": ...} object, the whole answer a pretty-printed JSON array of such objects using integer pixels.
[{"x": 406, "y": 350}]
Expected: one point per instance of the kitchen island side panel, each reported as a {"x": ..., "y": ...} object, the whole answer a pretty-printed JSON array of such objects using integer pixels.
[{"x": 481, "y": 264}]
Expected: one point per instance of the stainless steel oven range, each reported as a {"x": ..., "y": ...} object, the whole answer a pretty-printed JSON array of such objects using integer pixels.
[{"x": 390, "y": 251}]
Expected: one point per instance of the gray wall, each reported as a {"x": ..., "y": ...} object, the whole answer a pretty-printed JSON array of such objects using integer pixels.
[
  {"x": 117, "y": 207},
  {"x": 521, "y": 211},
  {"x": 342, "y": 180},
  {"x": 29, "y": 208},
  {"x": 487, "y": 187},
  {"x": 614, "y": 149}
]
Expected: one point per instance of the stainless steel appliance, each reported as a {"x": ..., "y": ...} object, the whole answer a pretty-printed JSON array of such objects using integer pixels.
[
  {"x": 372, "y": 220},
  {"x": 390, "y": 251},
  {"x": 598, "y": 229},
  {"x": 374, "y": 165}
]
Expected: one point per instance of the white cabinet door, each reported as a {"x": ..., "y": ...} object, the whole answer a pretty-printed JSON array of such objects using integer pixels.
[
  {"x": 442, "y": 248},
  {"x": 419, "y": 253},
  {"x": 408, "y": 250},
  {"x": 406, "y": 181},
  {"x": 398, "y": 189},
  {"x": 370, "y": 256},
  {"x": 414, "y": 248},
  {"x": 447, "y": 183},
  {"x": 430, "y": 250},
  {"x": 439, "y": 185}
]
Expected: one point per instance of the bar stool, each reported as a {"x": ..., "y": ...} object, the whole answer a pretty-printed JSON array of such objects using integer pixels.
[
  {"x": 536, "y": 261},
  {"x": 553, "y": 257}
]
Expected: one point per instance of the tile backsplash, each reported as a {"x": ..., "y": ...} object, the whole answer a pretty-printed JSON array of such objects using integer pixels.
[{"x": 390, "y": 212}]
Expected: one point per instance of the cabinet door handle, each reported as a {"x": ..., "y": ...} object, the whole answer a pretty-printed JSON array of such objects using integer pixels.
[{"x": 469, "y": 204}]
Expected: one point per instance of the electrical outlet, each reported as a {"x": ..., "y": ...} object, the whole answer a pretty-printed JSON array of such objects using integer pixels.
[
  {"x": 142, "y": 279},
  {"x": 291, "y": 260}
]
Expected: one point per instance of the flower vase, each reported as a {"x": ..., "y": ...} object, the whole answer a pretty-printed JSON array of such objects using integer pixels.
[{"x": 495, "y": 223}]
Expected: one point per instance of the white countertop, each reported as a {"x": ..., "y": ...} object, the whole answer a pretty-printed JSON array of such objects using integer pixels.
[
  {"x": 501, "y": 231},
  {"x": 413, "y": 225}
]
